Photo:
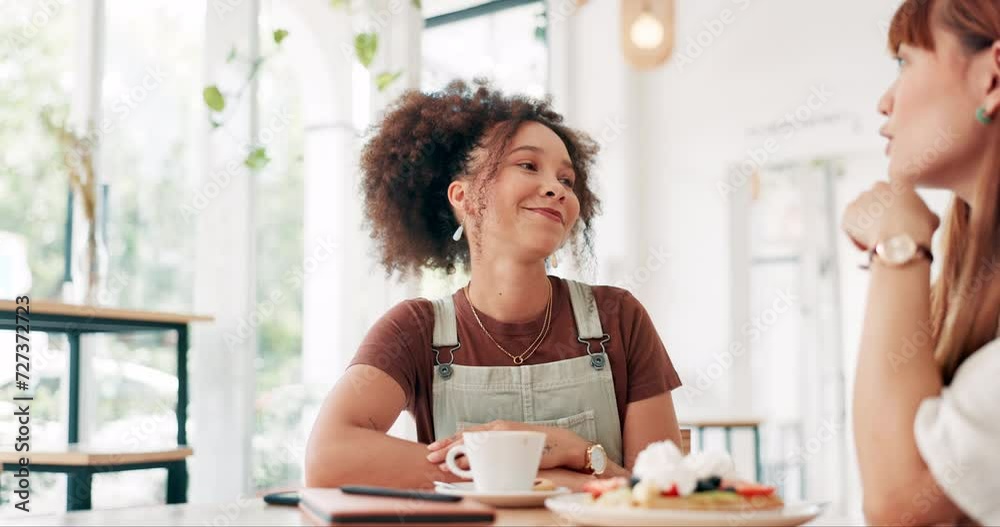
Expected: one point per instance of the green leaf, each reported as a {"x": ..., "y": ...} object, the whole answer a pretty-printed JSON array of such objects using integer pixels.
[
  {"x": 384, "y": 79},
  {"x": 213, "y": 98},
  {"x": 418, "y": 4},
  {"x": 540, "y": 33},
  {"x": 257, "y": 159},
  {"x": 365, "y": 46},
  {"x": 279, "y": 35},
  {"x": 232, "y": 55},
  {"x": 338, "y": 3}
]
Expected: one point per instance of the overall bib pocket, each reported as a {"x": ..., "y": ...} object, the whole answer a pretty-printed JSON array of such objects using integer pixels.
[{"x": 582, "y": 424}]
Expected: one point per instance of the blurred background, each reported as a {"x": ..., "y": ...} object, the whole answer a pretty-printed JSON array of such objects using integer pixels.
[{"x": 223, "y": 135}]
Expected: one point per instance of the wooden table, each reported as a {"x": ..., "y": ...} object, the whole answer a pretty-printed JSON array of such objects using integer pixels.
[
  {"x": 75, "y": 320},
  {"x": 253, "y": 511}
]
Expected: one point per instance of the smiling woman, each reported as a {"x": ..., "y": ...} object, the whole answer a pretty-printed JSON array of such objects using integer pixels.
[{"x": 469, "y": 176}]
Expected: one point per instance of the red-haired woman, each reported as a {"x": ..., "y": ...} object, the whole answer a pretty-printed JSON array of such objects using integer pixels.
[{"x": 927, "y": 391}]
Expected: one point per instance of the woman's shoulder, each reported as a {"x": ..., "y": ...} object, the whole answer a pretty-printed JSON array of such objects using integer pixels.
[
  {"x": 410, "y": 316},
  {"x": 614, "y": 301}
]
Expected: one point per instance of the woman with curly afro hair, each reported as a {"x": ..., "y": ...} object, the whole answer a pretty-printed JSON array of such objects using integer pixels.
[{"x": 471, "y": 177}]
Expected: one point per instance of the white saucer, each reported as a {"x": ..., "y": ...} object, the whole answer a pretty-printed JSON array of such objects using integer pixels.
[{"x": 530, "y": 498}]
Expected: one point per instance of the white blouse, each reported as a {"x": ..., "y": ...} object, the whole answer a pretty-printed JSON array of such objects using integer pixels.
[{"x": 958, "y": 435}]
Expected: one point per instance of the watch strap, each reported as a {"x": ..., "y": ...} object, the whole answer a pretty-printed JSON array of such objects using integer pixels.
[{"x": 922, "y": 251}]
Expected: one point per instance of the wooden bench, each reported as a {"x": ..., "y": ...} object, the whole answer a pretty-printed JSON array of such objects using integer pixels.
[{"x": 80, "y": 463}]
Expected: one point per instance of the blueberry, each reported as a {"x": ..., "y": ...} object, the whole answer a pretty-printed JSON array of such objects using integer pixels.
[
  {"x": 707, "y": 484},
  {"x": 633, "y": 481}
]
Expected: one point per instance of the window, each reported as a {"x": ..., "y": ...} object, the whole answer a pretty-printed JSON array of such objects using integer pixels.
[
  {"x": 150, "y": 101},
  {"x": 37, "y": 54},
  {"x": 506, "y": 44}
]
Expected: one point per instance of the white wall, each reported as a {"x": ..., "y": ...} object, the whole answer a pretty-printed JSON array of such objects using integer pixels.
[{"x": 763, "y": 64}]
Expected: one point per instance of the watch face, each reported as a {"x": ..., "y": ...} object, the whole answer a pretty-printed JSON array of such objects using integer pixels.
[
  {"x": 898, "y": 250},
  {"x": 598, "y": 459}
]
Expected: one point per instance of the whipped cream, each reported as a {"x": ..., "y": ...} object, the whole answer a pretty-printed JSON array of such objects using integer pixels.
[{"x": 662, "y": 464}]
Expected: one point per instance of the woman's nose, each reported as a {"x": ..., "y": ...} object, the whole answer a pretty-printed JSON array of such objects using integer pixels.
[
  {"x": 886, "y": 101},
  {"x": 554, "y": 189}
]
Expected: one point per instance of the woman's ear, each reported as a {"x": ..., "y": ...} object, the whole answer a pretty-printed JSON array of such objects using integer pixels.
[
  {"x": 458, "y": 195},
  {"x": 992, "y": 101}
]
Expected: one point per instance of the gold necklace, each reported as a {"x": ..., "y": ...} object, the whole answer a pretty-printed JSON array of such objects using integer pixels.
[{"x": 518, "y": 359}]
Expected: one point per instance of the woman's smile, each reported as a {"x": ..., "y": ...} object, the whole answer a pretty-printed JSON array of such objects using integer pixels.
[{"x": 548, "y": 213}]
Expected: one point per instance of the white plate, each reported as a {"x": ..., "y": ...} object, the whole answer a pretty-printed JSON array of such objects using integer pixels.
[
  {"x": 531, "y": 498},
  {"x": 577, "y": 508}
]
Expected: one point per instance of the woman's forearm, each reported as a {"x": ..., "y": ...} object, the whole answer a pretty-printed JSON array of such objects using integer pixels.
[
  {"x": 370, "y": 457},
  {"x": 895, "y": 372}
]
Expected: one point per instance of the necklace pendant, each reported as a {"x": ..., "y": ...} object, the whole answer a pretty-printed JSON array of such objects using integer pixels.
[{"x": 518, "y": 360}]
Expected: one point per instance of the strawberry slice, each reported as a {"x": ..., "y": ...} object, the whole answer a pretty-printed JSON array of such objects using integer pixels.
[
  {"x": 749, "y": 490},
  {"x": 599, "y": 486},
  {"x": 672, "y": 491}
]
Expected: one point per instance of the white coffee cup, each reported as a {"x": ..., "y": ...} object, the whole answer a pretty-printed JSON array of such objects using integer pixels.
[{"x": 499, "y": 461}]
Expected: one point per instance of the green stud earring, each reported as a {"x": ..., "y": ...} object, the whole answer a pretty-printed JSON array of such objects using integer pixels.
[{"x": 982, "y": 117}]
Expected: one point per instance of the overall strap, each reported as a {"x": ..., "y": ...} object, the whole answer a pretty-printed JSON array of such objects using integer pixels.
[
  {"x": 445, "y": 335},
  {"x": 588, "y": 321},
  {"x": 445, "y": 323}
]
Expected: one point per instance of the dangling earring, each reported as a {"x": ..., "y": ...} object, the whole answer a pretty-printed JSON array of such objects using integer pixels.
[
  {"x": 982, "y": 116},
  {"x": 554, "y": 261},
  {"x": 458, "y": 233}
]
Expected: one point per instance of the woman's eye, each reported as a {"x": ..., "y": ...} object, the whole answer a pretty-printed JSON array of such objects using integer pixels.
[
  {"x": 568, "y": 182},
  {"x": 527, "y": 165},
  {"x": 900, "y": 62}
]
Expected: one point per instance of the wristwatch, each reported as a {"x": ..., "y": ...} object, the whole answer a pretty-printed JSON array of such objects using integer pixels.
[
  {"x": 898, "y": 251},
  {"x": 596, "y": 460}
]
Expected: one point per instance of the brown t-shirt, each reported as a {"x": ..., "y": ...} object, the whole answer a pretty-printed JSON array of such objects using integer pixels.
[{"x": 400, "y": 345}]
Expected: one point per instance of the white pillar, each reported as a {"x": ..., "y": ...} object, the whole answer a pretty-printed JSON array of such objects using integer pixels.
[{"x": 221, "y": 360}]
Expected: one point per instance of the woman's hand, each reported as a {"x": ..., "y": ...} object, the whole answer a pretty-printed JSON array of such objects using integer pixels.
[
  {"x": 887, "y": 210},
  {"x": 561, "y": 445}
]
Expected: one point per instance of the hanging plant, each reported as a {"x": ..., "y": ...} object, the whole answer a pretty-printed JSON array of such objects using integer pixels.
[
  {"x": 217, "y": 101},
  {"x": 365, "y": 50},
  {"x": 366, "y": 46}
]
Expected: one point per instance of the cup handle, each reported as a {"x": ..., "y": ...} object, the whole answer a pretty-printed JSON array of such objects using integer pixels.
[{"x": 452, "y": 466}]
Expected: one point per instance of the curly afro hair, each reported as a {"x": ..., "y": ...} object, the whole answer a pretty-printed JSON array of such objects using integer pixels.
[{"x": 426, "y": 141}]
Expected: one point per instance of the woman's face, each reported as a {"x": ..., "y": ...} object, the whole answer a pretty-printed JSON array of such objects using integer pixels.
[
  {"x": 531, "y": 207},
  {"x": 934, "y": 138}
]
